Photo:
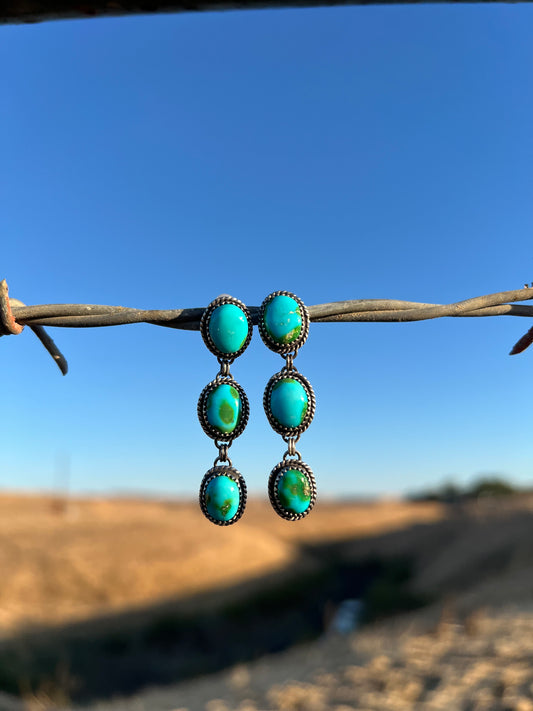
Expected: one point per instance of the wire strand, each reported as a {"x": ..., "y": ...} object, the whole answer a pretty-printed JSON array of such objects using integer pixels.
[{"x": 14, "y": 315}]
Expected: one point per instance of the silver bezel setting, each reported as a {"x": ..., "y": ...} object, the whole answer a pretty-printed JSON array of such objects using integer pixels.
[
  {"x": 273, "y": 480},
  {"x": 204, "y": 327},
  {"x": 211, "y": 431},
  {"x": 311, "y": 403},
  {"x": 232, "y": 473},
  {"x": 284, "y": 348}
]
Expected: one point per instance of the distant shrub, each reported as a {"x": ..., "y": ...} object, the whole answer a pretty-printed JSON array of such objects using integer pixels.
[
  {"x": 450, "y": 493},
  {"x": 492, "y": 487}
]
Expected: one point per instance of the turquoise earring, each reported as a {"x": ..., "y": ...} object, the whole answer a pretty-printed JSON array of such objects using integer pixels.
[
  {"x": 289, "y": 403},
  {"x": 223, "y": 409}
]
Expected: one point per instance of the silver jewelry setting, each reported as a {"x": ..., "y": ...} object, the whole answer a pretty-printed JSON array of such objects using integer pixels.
[
  {"x": 236, "y": 476},
  {"x": 273, "y": 481},
  {"x": 207, "y": 427},
  {"x": 284, "y": 348},
  {"x": 290, "y": 374},
  {"x": 204, "y": 327}
]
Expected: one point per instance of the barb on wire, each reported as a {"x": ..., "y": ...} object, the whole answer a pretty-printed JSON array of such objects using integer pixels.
[
  {"x": 14, "y": 315},
  {"x": 9, "y": 326}
]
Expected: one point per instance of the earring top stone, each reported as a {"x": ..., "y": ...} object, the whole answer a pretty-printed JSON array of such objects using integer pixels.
[
  {"x": 283, "y": 322},
  {"x": 226, "y": 327}
]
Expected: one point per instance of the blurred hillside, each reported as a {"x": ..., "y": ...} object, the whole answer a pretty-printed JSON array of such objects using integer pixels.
[
  {"x": 155, "y": 595},
  {"x": 65, "y": 562}
]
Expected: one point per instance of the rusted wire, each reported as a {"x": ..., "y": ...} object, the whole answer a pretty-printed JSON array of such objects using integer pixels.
[
  {"x": 14, "y": 315},
  {"x": 9, "y": 326}
]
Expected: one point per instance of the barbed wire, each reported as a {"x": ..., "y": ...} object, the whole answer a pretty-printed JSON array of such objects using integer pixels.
[{"x": 14, "y": 315}]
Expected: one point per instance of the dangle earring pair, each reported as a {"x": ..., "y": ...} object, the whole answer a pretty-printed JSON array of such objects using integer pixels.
[{"x": 288, "y": 400}]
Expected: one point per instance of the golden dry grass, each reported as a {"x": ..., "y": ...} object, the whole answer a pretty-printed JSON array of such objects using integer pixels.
[
  {"x": 103, "y": 556},
  {"x": 112, "y": 556}
]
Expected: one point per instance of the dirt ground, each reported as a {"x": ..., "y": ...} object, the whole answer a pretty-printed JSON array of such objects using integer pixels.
[{"x": 482, "y": 663}]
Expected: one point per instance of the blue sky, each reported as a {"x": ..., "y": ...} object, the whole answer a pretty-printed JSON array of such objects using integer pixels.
[{"x": 354, "y": 152}]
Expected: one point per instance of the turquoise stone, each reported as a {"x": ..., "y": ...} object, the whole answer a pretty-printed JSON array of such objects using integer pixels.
[
  {"x": 228, "y": 328},
  {"x": 283, "y": 319},
  {"x": 224, "y": 408},
  {"x": 289, "y": 402},
  {"x": 294, "y": 491},
  {"x": 222, "y": 498}
]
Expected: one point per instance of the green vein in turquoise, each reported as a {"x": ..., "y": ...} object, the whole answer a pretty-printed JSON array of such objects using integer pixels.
[
  {"x": 294, "y": 491},
  {"x": 228, "y": 328},
  {"x": 222, "y": 498},
  {"x": 224, "y": 408},
  {"x": 283, "y": 319},
  {"x": 289, "y": 402}
]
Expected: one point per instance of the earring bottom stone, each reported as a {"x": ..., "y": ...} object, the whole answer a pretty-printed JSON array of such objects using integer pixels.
[
  {"x": 292, "y": 489},
  {"x": 223, "y": 495}
]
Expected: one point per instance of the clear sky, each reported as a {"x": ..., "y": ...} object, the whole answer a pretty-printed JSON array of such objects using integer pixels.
[{"x": 355, "y": 152}]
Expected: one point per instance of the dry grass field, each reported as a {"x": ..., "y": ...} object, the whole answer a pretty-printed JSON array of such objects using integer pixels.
[
  {"x": 143, "y": 594},
  {"x": 101, "y": 556}
]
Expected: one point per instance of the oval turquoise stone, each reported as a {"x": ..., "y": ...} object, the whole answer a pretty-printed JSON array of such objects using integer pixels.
[
  {"x": 228, "y": 328},
  {"x": 283, "y": 319},
  {"x": 289, "y": 402},
  {"x": 222, "y": 498},
  {"x": 294, "y": 491},
  {"x": 224, "y": 408}
]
